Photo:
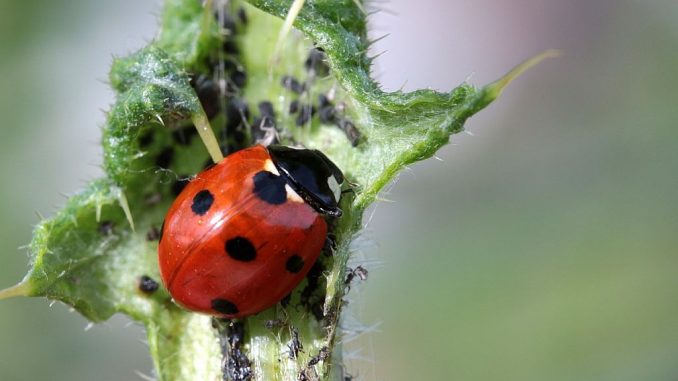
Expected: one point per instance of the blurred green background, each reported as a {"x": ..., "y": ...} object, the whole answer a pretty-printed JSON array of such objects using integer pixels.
[{"x": 544, "y": 246}]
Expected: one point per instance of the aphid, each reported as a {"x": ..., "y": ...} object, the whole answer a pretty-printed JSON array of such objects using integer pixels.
[
  {"x": 294, "y": 106},
  {"x": 208, "y": 94},
  {"x": 291, "y": 84},
  {"x": 106, "y": 227},
  {"x": 315, "y": 63},
  {"x": 306, "y": 112},
  {"x": 164, "y": 158},
  {"x": 147, "y": 285},
  {"x": 326, "y": 114},
  {"x": 295, "y": 346},
  {"x": 153, "y": 234},
  {"x": 350, "y": 130},
  {"x": 322, "y": 355}
]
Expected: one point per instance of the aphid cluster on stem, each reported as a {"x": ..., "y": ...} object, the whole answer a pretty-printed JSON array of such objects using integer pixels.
[
  {"x": 327, "y": 112},
  {"x": 236, "y": 366},
  {"x": 309, "y": 373}
]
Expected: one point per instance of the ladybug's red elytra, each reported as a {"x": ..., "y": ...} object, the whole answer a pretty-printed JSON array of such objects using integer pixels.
[{"x": 245, "y": 232}]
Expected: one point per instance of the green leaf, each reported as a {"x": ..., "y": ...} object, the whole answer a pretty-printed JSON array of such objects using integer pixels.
[{"x": 92, "y": 253}]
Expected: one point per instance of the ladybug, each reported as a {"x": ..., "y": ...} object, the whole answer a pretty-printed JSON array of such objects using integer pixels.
[{"x": 245, "y": 232}]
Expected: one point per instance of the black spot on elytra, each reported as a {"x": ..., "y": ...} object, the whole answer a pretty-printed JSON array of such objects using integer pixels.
[
  {"x": 270, "y": 187},
  {"x": 241, "y": 249},
  {"x": 291, "y": 84},
  {"x": 165, "y": 157},
  {"x": 147, "y": 285},
  {"x": 224, "y": 306},
  {"x": 294, "y": 264},
  {"x": 306, "y": 112},
  {"x": 202, "y": 201}
]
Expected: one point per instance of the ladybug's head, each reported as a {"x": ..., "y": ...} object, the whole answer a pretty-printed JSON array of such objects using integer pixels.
[{"x": 315, "y": 177}]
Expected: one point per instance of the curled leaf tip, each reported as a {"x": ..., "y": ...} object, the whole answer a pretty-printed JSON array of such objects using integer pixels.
[
  {"x": 495, "y": 88},
  {"x": 20, "y": 289}
]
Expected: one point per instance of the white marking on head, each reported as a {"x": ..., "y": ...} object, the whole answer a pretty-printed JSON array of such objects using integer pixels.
[
  {"x": 335, "y": 187},
  {"x": 292, "y": 195},
  {"x": 269, "y": 166}
]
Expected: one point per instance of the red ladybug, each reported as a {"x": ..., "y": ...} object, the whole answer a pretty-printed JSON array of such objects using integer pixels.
[{"x": 245, "y": 232}]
